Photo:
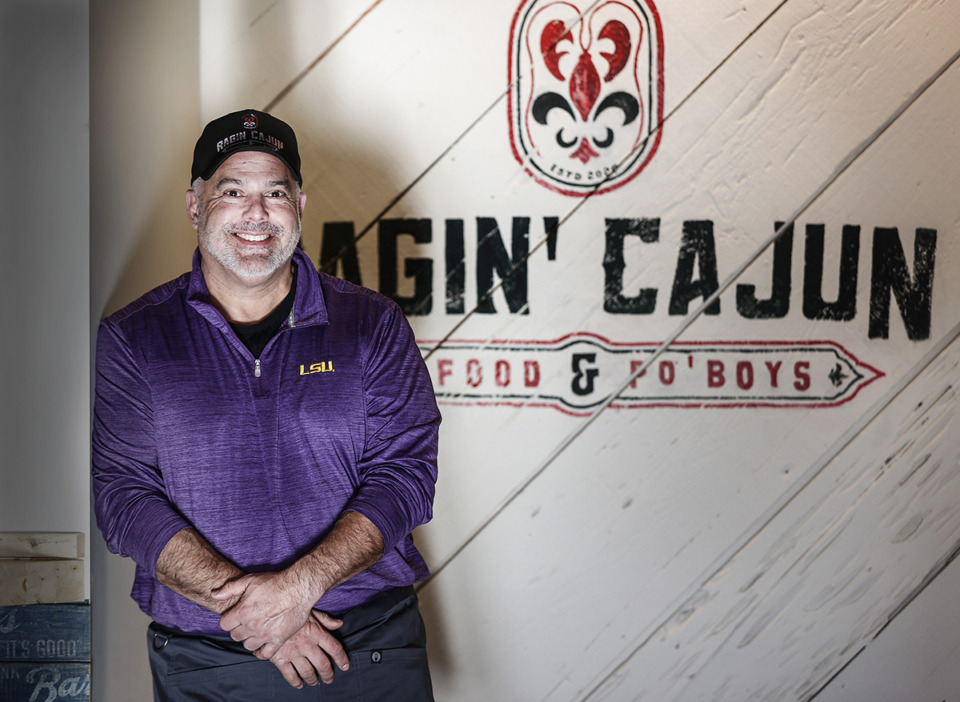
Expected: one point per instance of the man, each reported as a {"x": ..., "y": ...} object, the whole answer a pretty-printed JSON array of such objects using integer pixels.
[{"x": 264, "y": 443}]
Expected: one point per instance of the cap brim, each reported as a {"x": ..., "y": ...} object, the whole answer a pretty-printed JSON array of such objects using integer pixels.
[{"x": 212, "y": 168}]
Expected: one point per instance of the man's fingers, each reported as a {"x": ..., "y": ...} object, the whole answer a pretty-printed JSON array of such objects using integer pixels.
[
  {"x": 230, "y": 619},
  {"x": 337, "y": 654},
  {"x": 326, "y": 620},
  {"x": 241, "y": 635},
  {"x": 309, "y": 672},
  {"x": 332, "y": 647},
  {"x": 257, "y": 645},
  {"x": 310, "y": 669},
  {"x": 306, "y": 657},
  {"x": 250, "y": 642},
  {"x": 267, "y": 651},
  {"x": 289, "y": 673},
  {"x": 231, "y": 588}
]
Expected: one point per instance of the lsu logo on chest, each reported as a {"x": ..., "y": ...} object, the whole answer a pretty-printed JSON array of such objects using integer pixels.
[{"x": 321, "y": 367}]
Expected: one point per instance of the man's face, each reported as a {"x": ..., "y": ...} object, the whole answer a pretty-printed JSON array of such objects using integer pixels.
[{"x": 247, "y": 215}]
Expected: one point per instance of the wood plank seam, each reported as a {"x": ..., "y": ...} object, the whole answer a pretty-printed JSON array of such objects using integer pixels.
[
  {"x": 313, "y": 64},
  {"x": 931, "y": 576}
]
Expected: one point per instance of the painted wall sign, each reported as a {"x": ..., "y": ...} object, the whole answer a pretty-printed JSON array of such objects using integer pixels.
[
  {"x": 587, "y": 91},
  {"x": 502, "y": 260},
  {"x": 578, "y": 372},
  {"x": 45, "y": 652}
]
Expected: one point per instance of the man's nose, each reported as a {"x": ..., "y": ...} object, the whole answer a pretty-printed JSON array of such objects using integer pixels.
[{"x": 256, "y": 208}]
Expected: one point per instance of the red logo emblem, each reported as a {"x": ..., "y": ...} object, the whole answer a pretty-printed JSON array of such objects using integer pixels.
[
  {"x": 587, "y": 91},
  {"x": 250, "y": 121}
]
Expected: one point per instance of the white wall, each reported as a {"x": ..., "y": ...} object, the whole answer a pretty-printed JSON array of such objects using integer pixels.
[
  {"x": 44, "y": 156},
  {"x": 666, "y": 549}
]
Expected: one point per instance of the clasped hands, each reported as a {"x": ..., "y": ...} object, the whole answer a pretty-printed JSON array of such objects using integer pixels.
[{"x": 273, "y": 617}]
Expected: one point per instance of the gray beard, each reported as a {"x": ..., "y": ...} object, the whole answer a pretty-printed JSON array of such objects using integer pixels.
[{"x": 227, "y": 257}]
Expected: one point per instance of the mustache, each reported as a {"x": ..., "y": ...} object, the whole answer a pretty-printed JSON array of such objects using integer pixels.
[{"x": 253, "y": 227}]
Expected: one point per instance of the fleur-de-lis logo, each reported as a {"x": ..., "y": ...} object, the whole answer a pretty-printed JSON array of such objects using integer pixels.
[
  {"x": 837, "y": 376},
  {"x": 585, "y": 85},
  {"x": 587, "y": 91}
]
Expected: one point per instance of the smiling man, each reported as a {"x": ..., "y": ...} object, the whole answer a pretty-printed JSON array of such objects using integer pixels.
[{"x": 269, "y": 511}]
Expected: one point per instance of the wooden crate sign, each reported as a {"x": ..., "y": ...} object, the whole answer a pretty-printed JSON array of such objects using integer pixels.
[
  {"x": 44, "y": 682},
  {"x": 59, "y": 632},
  {"x": 45, "y": 652}
]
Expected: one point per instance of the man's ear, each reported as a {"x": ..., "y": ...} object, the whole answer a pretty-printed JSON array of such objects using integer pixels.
[
  {"x": 193, "y": 207},
  {"x": 303, "y": 202}
]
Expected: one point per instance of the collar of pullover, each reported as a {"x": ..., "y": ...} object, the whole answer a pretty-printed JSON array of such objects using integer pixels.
[{"x": 308, "y": 305}]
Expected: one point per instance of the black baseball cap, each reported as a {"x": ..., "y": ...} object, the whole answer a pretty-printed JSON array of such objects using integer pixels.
[{"x": 246, "y": 130}]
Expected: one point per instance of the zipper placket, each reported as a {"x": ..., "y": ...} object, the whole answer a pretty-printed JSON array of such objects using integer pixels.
[{"x": 256, "y": 362}]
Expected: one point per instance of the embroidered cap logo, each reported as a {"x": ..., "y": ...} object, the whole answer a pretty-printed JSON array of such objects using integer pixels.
[
  {"x": 587, "y": 95},
  {"x": 250, "y": 121}
]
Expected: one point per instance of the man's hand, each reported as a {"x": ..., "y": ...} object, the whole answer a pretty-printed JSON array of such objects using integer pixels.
[
  {"x": 271, "y": 608},
  {"x": 311, "y": 653},
  {"x": 268, "y": 608}
]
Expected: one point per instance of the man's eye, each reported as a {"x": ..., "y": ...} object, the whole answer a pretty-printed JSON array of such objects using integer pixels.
[
  {"x": 277, "y": 193},
  {"x": 231, "y": 193}
]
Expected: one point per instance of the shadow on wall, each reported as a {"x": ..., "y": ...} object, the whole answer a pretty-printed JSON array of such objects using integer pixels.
[
  {"x": 144, "y": 103},
  {"x": 144, "y": 120}
]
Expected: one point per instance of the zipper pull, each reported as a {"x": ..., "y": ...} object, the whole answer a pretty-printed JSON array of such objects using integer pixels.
[{"x": 256, "y": 368}]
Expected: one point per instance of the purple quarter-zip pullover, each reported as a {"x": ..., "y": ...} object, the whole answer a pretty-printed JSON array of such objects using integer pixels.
[{"x": 261, "y": 456}]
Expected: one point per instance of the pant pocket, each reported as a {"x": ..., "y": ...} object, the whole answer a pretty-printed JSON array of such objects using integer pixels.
[
  {"x": 395, "y": 674},
  {"x": 188, "y": 668}
]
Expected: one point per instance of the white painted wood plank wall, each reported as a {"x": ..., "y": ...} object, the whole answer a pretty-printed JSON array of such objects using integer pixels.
[
  {"x": 829, "y": 569},
  {"x": 914, "y": 658},
  {"x": 664, "y": 552}
]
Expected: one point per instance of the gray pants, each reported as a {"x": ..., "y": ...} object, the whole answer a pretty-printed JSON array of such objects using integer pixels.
[{"x": 384, "y": 638}]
